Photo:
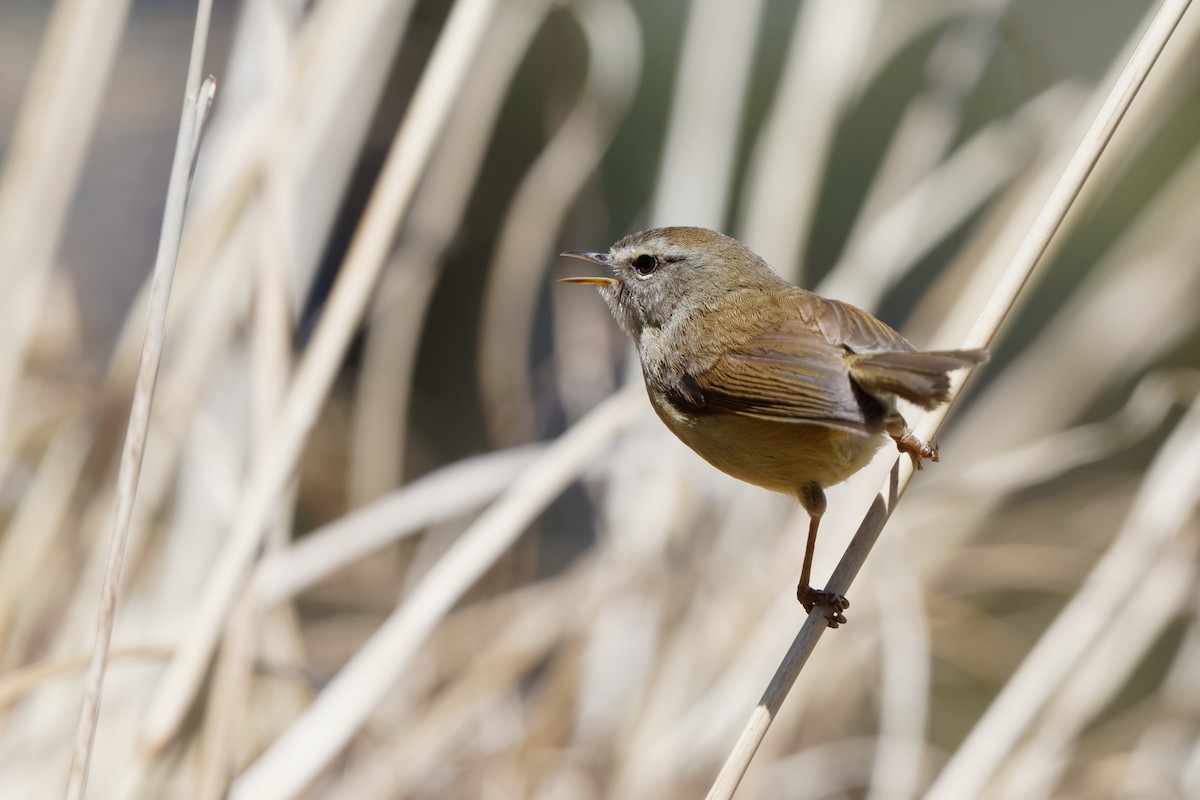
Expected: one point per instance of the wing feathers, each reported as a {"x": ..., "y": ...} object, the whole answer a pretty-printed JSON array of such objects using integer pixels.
[
  {"x": 825, "y": 363},
  {"x": 921, "y": 378},
  {"x": 792, "y": 376}
]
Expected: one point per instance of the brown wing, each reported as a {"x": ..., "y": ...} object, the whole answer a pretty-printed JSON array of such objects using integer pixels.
[
  {"x": 921, "y": 378},
  {"x": 792, "y": 373},
  {"x": 855, "y": 329},
  {"x": 882, "y": 362}
]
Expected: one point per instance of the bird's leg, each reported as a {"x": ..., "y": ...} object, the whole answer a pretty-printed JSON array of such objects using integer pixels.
[
  {"x": 813, "y": 499},
  {"x": 906, "y": 442}
]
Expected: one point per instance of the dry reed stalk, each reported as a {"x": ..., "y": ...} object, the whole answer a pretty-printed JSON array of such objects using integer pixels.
[
  {"x": 1164, "y": 502},
  {"x": 385, "y": 381},
  {"x": 1144, "y": 263},
  {"x": 1150, "y": 264},
  {"x": 307, "y": 746},
  {"x": 198, "y": 97},
  {"x": 41, "y": 173},
  {"x": 879, "y": 253},
  {"x": 907, "y": 669},
  {"x": 228, "y": 704},
  {"x": 1038, "y": 765},
  {"x": 38, "y": 526},
  {"x": 525, "y": 245},
  {"x": 1149, "y": 239},
  {"x": 541, "y": 618},
  {"x": 315, "y": 373},
  {"x": 989, "y": 480},
  {"x": 925, "y": 133},
  {"x": 452, "y": 491},
  {"x": 707, "y": 107},
  {"x": 16, "y": 684},
  {"x": 1026, "y": 258},
  {"x": 1078, "y": 349},
  {"x": 311, "y": 82},
  {"x": 336, "y": 67},
  {"x": 835, "y": 767},
  {"x": 829, "y": 50}
]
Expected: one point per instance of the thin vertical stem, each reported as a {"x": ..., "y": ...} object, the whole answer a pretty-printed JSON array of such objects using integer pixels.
[
  {"x": 196, "y": 101},
  {"x": 269, "y": 476}
]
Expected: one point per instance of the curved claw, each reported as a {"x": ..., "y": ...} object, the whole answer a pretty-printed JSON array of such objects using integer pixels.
[
  {"x": 916, "y": 449},
  {"x": 833, "y": 603}
]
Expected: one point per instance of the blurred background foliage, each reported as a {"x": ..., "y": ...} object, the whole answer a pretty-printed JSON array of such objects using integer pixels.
[{"x": 470, "y": 347}]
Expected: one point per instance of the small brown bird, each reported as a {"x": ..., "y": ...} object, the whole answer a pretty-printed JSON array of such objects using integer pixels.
[{"x": 767, "y": 382}]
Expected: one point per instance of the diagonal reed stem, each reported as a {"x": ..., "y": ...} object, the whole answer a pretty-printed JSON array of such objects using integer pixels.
[
  {"x": 1027, "y": 257},
  {"x": 448, "y": 66},
  {"x": 197, "y": 99}
]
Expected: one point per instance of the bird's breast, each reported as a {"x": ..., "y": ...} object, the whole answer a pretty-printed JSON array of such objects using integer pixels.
[{"x": 777, "y": 455}]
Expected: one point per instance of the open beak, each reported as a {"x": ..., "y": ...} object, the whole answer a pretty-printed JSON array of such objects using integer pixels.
[
  {"x": 591, "y": 280},
  {"x": 596, "y": 258}
]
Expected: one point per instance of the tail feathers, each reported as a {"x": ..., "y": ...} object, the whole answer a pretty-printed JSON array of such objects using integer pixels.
[{"x": 921, "y": 378}]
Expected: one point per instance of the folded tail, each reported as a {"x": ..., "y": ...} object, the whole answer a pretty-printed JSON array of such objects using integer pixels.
[{"x": 921, "y": 378}]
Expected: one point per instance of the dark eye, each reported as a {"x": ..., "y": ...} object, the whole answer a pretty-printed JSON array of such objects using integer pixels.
[{"x": 645, "y": 264}]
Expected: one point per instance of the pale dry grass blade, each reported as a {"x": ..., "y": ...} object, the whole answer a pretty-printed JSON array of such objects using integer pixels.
[
  {"x": 304, "y": 750},
  {"x": 526, "y": 241},
  {"x": 993, "y": 477},
  {"x": 1150, "y": 268},
  {"x": 218, "y": 252},
  {"x": 828, "y": 769},
  {"x": 316, "y": 90},
  {"x": 1147, "y": 767},
  {"x": 907, "y": 665},
  {"x": 1041, "y": 460},
  {"x": 1164, "y": 502},
  {"x": 926, "y": 131},
  {"x": 882, "y": 252},
  {"x": 417, "y": 135},
  {"x": 41, "y": 173},
  {"x": 336, "y": 69},
  {"x": 454, "y": 490},
  {"x": 546, "y": 616},
  {"x": 297, "y": 104},
  {"x": 38, "y": 527},
  {"x": 1037, "y": 766},
  {"x": 197, "y": 99},
  {"x": 385, "y": 382},
  {"x": 18, "y": 683},
  {"x": 229, "y": 718},
  {"x": 1076, "y": 173},
  {"x": 227, "y": 703},
  {"x": 1179, "y": 688},
  {"x": 1156, "y": 239},
  {"x": 1012, "y": 218},
  {"x": 706, "y": 114},
  {"x": 732, "y": 601},
  {"x": 990, "y": 318},
  {"x": 330, "y": 100},
  {"x": 830, "y": 45}
]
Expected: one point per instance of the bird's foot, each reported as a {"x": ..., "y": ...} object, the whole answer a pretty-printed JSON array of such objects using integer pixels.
[
  {"x": 916, "y": 449},
  {"x": 834, "y": 604}
]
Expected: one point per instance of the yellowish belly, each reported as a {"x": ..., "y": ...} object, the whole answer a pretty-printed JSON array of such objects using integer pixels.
[{"x": 782, "y": 456}]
